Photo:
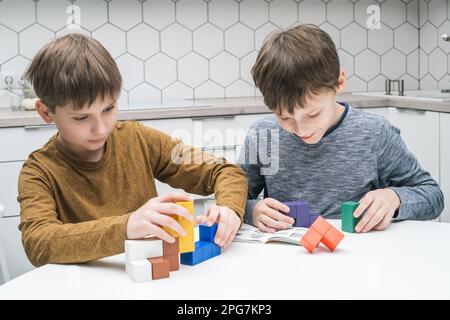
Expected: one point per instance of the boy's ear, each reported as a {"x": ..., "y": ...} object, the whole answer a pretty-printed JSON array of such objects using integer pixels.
[
  {"x": 341, "y": 82},
  {"x": 44, "y": 111}
]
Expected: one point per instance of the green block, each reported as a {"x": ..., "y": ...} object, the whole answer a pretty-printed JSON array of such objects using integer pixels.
[{"x": 348, "y": 221}]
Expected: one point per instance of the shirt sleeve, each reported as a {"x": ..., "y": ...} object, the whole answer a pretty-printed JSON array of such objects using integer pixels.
[
  {"x": 46, "y": 239},
  {"x": 195, "y": 171},
  {"x": 398, "y": 169}
]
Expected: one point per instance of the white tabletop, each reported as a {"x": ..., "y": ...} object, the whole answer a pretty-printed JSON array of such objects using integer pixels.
[{"x": 409, "y": 260}]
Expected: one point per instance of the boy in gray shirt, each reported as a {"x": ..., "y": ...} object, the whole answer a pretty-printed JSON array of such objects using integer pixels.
[{"x": 322, "y": 151}]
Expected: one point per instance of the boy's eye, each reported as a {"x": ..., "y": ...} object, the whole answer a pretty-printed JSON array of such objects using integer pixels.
[
  {"x": 312, "y": 115},
  {"x": 109, "y": 108},
  {"x": 80, "y": 119}
]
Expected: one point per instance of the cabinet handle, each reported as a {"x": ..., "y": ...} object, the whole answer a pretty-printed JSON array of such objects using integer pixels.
[
  {"x": 39, "y": 126},
  {"x": 227, "y": 117},
  {"x": 410, "y": 110}
]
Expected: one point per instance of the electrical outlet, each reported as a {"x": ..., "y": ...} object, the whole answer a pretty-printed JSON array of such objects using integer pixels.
[{"x": 10, "y": 80}]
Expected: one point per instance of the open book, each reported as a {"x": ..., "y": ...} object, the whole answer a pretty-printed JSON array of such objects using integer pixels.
[{"x": 249, "y": 233}]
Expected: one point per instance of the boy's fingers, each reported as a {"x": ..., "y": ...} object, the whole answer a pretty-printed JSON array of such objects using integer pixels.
[
  {"x": 370, "y": 212},
  {"x": 232, "y": 230},
  {"x": 169, "y": 222},
  {"x": 376, "y": 219},
  {"x": 173, "y": 208},
  {"x": 173, "y": 197},
  {"x": 277, "y": 205},
  {"x": 271, "y": 223},
  {"x": 364, "y": 203},
  {"x": 264, "y": 228},
  {"x": 212, "y": 215},
  {"x": 221, "y": 230},
  {"x": 159, "y": 233},
  {"x": 383, "y": 224},
  {"x": 277, "y": 215}
]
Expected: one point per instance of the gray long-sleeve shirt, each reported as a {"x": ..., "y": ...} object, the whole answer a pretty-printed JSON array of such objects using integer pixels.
[{"x": 362, "y": 152}]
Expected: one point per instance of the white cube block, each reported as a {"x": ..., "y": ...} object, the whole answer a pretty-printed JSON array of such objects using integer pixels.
[
  {"x": 143, "y": 249},
  {"x": 139, "y": 270}
]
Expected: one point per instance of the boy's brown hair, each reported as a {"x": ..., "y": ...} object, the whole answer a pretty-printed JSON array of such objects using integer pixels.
[
  {"x": 294, "y": 63},
  {"x": 74, "y": 70}
]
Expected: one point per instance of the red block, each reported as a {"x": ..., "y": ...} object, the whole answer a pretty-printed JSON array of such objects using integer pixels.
[
  {"x": 311, "y": 239},
  {"x": 332, "y": 238},
  {"x": 321, "y": 225}
]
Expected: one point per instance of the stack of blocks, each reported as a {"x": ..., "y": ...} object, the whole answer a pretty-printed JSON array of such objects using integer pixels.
[
  {"x": 301, "y": 212},
  {"x": 204, "y": 249},
  {"x": 152, "y": 259},
  {"x": 321, "y": 231},
  {"x": 348, "y": 221}
]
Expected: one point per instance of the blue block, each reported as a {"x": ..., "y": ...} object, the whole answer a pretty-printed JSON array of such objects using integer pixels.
[
  {"x": 216, "y": 250},
  {"x": 303, "y": 209},
  {"x": 192, "y": 258},
  {"x": 312, "y": 218},
  {"x": 206, "y": 249},
  {"x": 208, "y": 233}
]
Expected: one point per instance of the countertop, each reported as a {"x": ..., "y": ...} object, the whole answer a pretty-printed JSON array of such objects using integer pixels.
[{"x": 230, "y": 106}]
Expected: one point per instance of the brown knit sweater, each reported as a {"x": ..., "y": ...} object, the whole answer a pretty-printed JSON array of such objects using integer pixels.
[{"x": 74, "y": 211}]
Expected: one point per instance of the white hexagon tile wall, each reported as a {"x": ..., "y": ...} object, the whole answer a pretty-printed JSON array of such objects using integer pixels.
[{"x": 184, "y": 49}]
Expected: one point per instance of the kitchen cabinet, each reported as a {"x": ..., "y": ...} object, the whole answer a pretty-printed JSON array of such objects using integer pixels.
[
  {"x": 445, "y": 163},
  {"x": 420, "y": 132},
  {"x": 9, "y": 173},
  {"x": 14, "y": 256},
  {"x": 383, "y": 111}
]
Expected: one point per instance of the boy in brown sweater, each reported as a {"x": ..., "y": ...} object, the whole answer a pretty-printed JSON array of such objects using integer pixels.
[{"x": 92, "y": 185}]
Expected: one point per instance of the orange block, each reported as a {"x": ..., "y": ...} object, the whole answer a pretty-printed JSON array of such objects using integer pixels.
[
  {"x": 311, "y": 239},
  {"x": 321, "y": 225},
  {"x": 160, "y": 268},
  {"x": 332, "y": 238}
]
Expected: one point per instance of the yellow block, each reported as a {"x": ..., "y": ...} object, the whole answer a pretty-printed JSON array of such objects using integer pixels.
[
  {"x": 170, "y": 231},
  {"x": 187, "y": 243}
]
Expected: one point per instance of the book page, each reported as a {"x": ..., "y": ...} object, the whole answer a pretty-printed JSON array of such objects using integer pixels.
[{"x": 249, "y": 233}]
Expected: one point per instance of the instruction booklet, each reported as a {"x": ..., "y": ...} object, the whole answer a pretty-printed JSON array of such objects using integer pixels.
[{"x": 249, "y": 233}]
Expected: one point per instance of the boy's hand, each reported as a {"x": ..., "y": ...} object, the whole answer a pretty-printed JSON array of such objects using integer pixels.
[
  {"x": 228, "y": 220},
  {"x": 152, "y": 216},
  {"x": 380, "y": 206},
  {"x": 267, "y": 218}
]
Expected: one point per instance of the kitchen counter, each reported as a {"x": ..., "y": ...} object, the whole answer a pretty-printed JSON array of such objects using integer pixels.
[{"x": 230, "y": 106}]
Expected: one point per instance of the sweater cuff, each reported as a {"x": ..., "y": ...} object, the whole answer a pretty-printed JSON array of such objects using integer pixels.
[
  {"x": 403, "y": 211},
  {"x": 248, "y": 216}
]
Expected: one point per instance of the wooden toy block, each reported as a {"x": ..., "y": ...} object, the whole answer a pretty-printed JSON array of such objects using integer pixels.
[
  {"x": 332, "y": 238},
  {"x": 187, "y": 243},
  {"x": 160, "y": 268},
  {"x": 174, "y": 261},
  {"x": 139, "y": 270},
  {"x": 143, "y": 249},
  {"x": 311, "y": 239},
  {"x": 292, "y": 209},
  {"x": 192, "y": 258},
  {"x": 303, "y": 222},
  {"x": 207, "y": 249},
  {"x": 321, "y": 225},
  {"x": 208, "y": 233},
  {"x": 173, "y": 233},
  {"x": 216, "y": 250},
  {"x": 312, "y": 218},
  {"x": 348, "y": 221},
  {"x": 171, "y": 248}
]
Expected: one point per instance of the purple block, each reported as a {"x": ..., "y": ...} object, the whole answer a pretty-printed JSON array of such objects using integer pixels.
[
  {"x": 303, "y": 209},
  {"x": 293, "y": 209},
  {"x": 302, "y": 222},
  {"x": 312, "y": 218}
]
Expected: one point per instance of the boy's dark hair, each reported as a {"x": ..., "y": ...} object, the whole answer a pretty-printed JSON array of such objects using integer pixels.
[
  {"x": 294, "y": 63},
  {"x": 74, "y": 70}
]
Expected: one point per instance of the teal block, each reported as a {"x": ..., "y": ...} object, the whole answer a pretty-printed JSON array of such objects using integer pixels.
[{"x": 348, "y": 221}]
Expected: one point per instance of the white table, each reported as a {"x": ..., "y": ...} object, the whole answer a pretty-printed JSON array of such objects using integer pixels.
[{"x": 409, "y": 260}]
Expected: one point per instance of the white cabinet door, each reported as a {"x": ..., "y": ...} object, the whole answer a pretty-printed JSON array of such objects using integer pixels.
[
  {"x": 445, "y": 164},
  {"x": 420, "y": 132},
  {"x": 17, "y": 143},
  {"x": 11, "y": 242},
  {"x": 180, "y": 128},
  {"x": 380, "y": 111},
  {"x": 9, "y": 176}
]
